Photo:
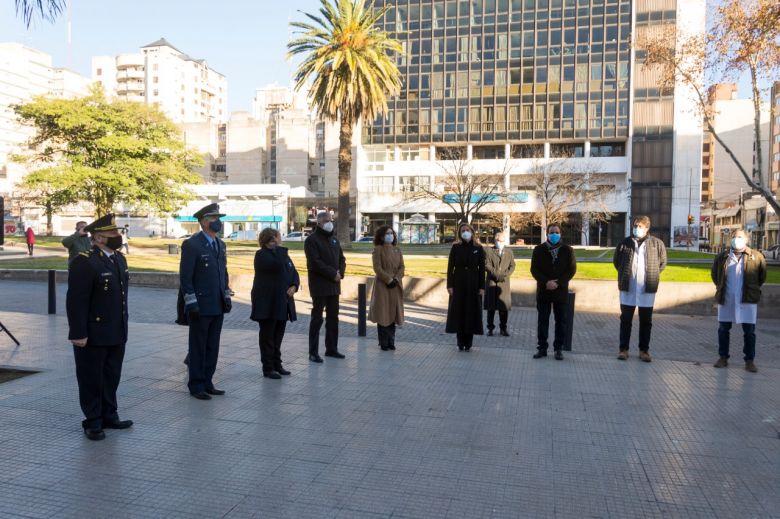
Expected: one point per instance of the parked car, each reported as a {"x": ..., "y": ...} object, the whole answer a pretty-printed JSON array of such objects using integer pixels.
[
  {"x": 250, "y": 235},
  {"x": 296, "y": 236},
  {"x": 364, "y": 239},
  {"x": 773, "y": 252}
]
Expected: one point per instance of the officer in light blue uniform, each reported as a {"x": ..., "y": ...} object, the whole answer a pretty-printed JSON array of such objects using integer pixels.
[{"x": 204, "y": 282}]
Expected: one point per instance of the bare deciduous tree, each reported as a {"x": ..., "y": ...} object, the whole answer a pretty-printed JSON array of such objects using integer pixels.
[
  {"x": 465, "y": 191},
  {"x": 744, "y": 38}
]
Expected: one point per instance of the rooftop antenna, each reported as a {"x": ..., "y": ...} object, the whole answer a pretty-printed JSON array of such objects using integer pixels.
[{"x": 70, "y": 32}]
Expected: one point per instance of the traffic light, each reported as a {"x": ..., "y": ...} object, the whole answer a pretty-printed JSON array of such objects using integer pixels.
[{"x": 690, "y": 219}]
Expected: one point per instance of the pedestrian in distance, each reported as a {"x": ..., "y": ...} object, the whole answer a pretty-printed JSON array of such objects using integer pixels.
[
  {"x": 553, "y": 265},
  {"x": 126, "y": 238},
  {"x": 326, "y": 265},
  {"x": 77, "y": 242},
  {"x": 30, "y": 239},
  {"x": 639, "y": 260},
  {"x": 499, "y": 265},
  {"x": 738, "y": 274},
  {"x": 387, "y": 297},
  {"x": 466, "y": 287},
  {"x": 203, "y": 278},
  {"x": 96, "y": 305},
  {"x": 273, "y": 299}
]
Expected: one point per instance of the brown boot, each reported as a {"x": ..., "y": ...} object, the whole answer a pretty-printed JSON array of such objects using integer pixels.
[
  {"x": 749, "y": 366},
  {"x": 623, "y": 355},
  {"x": 644, "y": 356},
  {"x": 722, "y": 362}
]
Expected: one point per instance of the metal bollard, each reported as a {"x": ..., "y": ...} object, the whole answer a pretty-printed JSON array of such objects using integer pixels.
[
  {"x": 52, "y": 292},
  {"x": 569, "y": 321},
  {"x": 362, "y": 310}
]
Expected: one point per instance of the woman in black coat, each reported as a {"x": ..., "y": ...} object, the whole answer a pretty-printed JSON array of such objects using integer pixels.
[
  {"x": 466, "y": 286},
  {"x": 275, "y": 284}
]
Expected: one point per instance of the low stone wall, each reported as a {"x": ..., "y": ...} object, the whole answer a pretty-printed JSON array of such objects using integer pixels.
[{"x": 592, "y": 295}]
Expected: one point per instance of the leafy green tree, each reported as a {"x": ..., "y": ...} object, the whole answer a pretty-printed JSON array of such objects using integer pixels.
[
  {"x": 348, "y": 59},
  {"x": 111, "y": 151},
  {"x": 49, "y": 188}
]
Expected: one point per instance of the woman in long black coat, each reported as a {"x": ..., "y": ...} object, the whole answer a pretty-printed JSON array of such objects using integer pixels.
[
  {"x": 466, "y": 286},
  {"x": 276, "y": 281}
]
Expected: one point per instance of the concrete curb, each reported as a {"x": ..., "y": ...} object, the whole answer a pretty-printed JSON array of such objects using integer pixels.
[{"x": 592, "y": 295}]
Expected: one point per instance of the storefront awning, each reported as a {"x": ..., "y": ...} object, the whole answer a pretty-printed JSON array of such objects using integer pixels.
[{"x": 234, "y": 218}]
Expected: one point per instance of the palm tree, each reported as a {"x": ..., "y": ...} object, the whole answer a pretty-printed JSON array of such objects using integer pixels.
[
  {"x": 348, "y": 59},
  {"x": 47, "y": 10}
]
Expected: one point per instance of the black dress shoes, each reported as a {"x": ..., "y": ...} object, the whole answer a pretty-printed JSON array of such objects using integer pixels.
[
  {"x": 282, "y": 371},
  {"x": 215, "y": 391},
  {"x": 95, "y": 434},
  {"x": 559, "y": 355},
  {"x": 272, "y": 374},
  {"x": 315, "y": 358},
  {"x": 540, "y": 354},
  {"x": 490, "y": 333},
  {"x": 334, "y": 354},
  {"x": 504, "y": 333},
  {"x": 391, "y": 347},
  {"x": 384, "y": 348},
  {"x": 119, "y": 424},
  {"x": 202, "y": 395},
  {"x": 460, "y": 347}
]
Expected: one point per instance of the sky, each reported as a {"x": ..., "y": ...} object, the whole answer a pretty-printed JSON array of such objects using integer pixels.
[{"x": 243, "y": 39}]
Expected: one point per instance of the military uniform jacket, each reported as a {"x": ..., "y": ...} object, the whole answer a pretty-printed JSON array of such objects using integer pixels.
[
  {"x": 97, "y": 298},
  {"x": 203, "y": 274}
]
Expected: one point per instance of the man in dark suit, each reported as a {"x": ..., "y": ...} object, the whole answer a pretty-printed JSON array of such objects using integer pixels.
[
  {"x": 326, "y": 265},
  {"x": 204, "y": 283},
  {"x": 97, "y": 318}
]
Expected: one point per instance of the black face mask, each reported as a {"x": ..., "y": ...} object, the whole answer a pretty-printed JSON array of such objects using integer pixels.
[
  {"x": 114, "y": 242},
  {"x": 215, "y": 226}
]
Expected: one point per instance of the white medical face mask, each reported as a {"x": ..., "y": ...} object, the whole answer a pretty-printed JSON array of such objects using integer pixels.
[
  {"x": 500, "y": 244},
  {"x": 639, "y": 232},
  {"x": 738, "y": 243},
  {"x": 466, "y": 235},
  {"x": 327, "y": 227}
]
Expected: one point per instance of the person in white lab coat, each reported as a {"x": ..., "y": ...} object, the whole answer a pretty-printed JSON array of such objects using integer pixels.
[
  {"x": 738, "y": 274},
  {"x": 639, "y": 260}
]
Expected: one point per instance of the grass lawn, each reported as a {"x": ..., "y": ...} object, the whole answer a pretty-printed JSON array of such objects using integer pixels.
[{"x": 360, "y": 265}]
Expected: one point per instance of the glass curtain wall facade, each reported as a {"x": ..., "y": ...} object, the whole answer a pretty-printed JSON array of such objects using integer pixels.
[{"x": 482, "y": 71}]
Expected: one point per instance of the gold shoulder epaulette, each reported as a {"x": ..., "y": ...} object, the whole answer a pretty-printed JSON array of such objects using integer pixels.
[{"x": 85, "y": 253}]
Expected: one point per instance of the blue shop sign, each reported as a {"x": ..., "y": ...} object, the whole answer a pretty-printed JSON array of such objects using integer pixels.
[{"x": 232, "y": 218}]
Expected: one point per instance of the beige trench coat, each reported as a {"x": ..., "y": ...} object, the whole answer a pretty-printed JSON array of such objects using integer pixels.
[{"x": 387, "y": 304}]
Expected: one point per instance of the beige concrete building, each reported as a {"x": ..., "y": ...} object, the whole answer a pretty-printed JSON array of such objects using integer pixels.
[
  {"x": 185, "y": 88},
  {"x": 25, "y": 73}
]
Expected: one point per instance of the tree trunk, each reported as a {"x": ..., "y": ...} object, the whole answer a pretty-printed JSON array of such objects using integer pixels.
[
  {"x": 49, "y": 213},
  {"x": 345, "y": 169}
]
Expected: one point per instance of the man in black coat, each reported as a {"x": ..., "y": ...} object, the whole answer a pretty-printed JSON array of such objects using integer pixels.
[
  {"x": 553, "y": 265},
  {"x": 97, "y": 319},
  {"x": 203, "y": 279},
  {"x": 326, "y": 265}
]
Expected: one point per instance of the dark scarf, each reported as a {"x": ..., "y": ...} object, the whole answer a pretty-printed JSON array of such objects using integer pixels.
[{"x": 554, "y": 250}]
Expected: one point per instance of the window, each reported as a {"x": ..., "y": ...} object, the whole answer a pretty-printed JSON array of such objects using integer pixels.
[
  {"x": 567, "y": 150},
  {"x": 379, "y": 185},
  {"x": 412, "y": 184},
  {"x": 100, "y": 72},
  {"x": 608, "y": 149}
]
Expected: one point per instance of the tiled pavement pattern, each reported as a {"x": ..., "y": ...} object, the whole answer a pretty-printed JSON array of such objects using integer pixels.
[
  {"x": 675, "y": 337},
  {"x": 424, "y": 432}
]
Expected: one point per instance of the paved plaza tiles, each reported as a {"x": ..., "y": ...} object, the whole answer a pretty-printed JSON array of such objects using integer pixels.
[{"x": 425, "y": 431}]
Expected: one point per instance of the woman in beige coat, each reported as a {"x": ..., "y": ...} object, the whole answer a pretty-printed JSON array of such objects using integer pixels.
[{"x": 387, "y": 299}]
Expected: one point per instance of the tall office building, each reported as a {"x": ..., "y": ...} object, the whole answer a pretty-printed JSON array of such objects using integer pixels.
[
  {"x": 185, "y": 88},
  {"x": 514, "y": 83},
  {"x": 25, "y": 73}
]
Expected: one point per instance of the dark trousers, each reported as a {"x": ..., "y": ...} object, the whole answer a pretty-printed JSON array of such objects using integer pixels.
[
  {"x": 559, "y": 309},
  {"x": 386, "y": 335},
  {"x": 204, "y": 351},
  {"x": 331, "y": 306},
  {"x": 30, "y": 248},
  {"x": 465, "y": 339},
  {"x": 748, "y": 334},
  {"x": 98, "y": 370},
  {"x": 271, "y": 335},
  {"x": 645, "y": 325},
  {"x": 502, "y": 318}
]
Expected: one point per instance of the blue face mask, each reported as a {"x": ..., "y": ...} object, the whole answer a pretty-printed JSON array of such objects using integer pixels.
[
  {"x": 215, "y": 226},
  {"x": 554, "y": 238}
]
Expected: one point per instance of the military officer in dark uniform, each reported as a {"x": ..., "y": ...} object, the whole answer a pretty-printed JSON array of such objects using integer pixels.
[
  {"x": 204, "y": 282},
  {"x": 97, "y": 317}
]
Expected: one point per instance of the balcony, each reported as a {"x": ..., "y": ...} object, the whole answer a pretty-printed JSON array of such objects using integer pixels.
[
  {"x": 130, "y": 73},
  {"x": 130, "y": 87},
  {"x": 129, "y": 60}
]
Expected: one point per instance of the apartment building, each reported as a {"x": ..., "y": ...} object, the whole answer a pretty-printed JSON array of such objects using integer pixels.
[
  {"x": 185, "y": 88},
  {"x": 512, "y": 84}
]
